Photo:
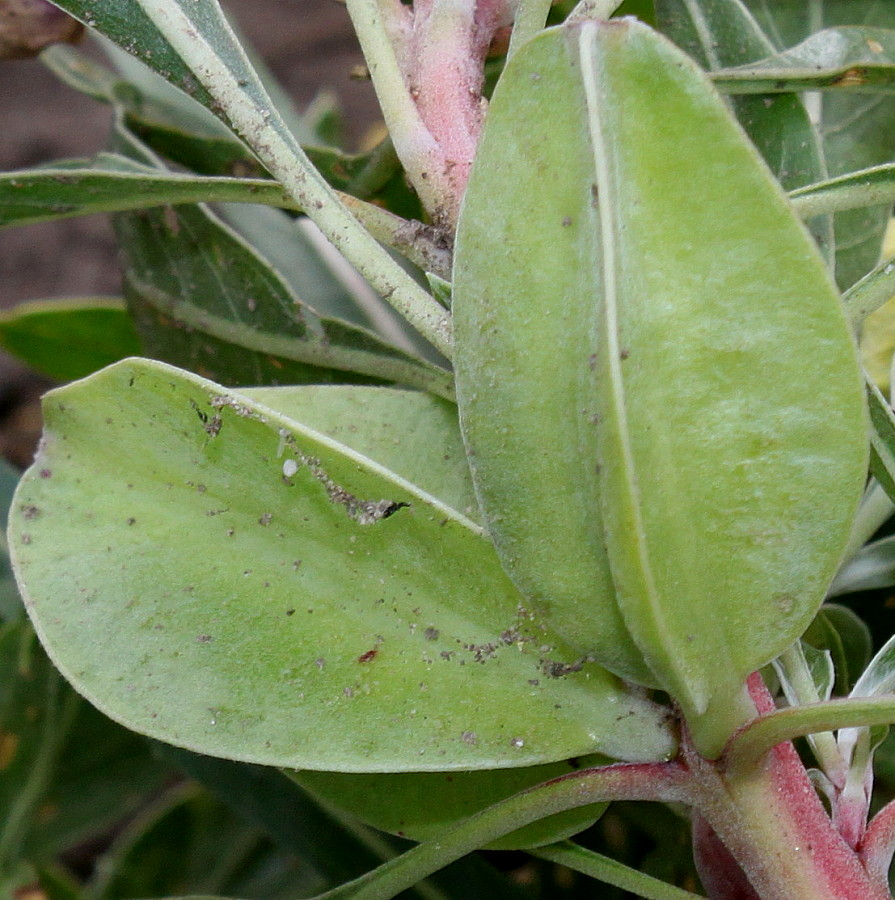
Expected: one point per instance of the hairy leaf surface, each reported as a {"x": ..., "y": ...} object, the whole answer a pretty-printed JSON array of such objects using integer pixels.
[
  {"x": 636, "y": 311},
  {"x": 261, "y": 592}
]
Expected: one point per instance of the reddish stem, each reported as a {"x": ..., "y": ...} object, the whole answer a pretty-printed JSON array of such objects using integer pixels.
[{"x": 878, "y": 845}]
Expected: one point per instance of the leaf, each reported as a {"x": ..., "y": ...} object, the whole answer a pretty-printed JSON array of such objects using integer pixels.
[
  {"x": 421, "y": 805},
  {"x": 414, "y": 435},
  {"x": 839, "y": 631},
  {"x": 882, "y": 438},
  {"x": 872, "y": 568},
  {"x": 877, "y": 680},
  {"x": 848, "y": 58},
  {"x": 36, "y": 709},
  {"x": 82, "y": 187},
  {"x": 190, "y": 267},
  {"x": 722, "y": 33},
  {"x": 218, "y": 566},
  {"x": 187, "y": 45},
  {"x": 606, "y": 335},
  {"x": 68, "y": 339},
  {"x": 858, "y": 128}
]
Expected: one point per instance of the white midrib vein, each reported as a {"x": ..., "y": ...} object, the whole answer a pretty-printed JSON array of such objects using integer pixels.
[{"x": 591, "y": 80}]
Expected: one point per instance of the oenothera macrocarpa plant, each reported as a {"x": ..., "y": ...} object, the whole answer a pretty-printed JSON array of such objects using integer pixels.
[{"x": 475, "y": 578}]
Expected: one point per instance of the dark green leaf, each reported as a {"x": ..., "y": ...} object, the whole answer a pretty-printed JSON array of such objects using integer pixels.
[
  {"x": 36, "y": 709},
  {"x": 68, "y": 339},
  {"x": 188, "y": 266}
]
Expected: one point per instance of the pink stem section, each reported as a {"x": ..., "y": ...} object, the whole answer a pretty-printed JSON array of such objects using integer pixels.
[
  {"x": 773, "y": 824},
  {"x": 441, "y": 47},
  {"x": 878, "y": 845}
]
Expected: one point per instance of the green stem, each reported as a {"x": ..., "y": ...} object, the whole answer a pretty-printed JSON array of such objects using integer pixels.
[
  {"x": 875, "y": 510},
  {"x": 611, "y": 871},
  {"x": 666, "y": 782},
  {"x": 753, "y": 742},
  {"x": 265, "y": 132},
  {"x": 871, "y": 292},
  {"x": 794, "y": 667},
  {"x": 531, "y": 17}
]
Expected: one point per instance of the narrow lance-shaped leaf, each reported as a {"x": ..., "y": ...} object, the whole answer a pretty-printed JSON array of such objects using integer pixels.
[
  {"x": 848, "y": 58},
  {"x": 882, "y": 439},
  {"x": 636, "y": 310},
  {"x": 264, "y": 593}
]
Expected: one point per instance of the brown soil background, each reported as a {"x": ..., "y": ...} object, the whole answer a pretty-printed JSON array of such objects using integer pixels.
[{"x": 309, "y": 45}]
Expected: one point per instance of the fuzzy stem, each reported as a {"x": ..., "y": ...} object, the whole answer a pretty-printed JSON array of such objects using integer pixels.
[
  {"x": 530, "y": 19},
  {"x": 878, "y": 845},
  {"x": 771, "y": 820}
]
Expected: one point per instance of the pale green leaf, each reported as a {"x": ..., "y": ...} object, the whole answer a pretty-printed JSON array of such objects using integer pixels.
[
  {"x": 633, "y": 334},
  {"x": 264, "y": 593}
]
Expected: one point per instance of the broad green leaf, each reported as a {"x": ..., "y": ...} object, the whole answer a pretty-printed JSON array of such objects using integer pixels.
[
  {"x": 68, "y": 339},
  {"x": 421, "y": 805},
  {"x": 264, "y": 593},
  {"x": 722, "y": 33},
  {"x": 630, "y": 369}
]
